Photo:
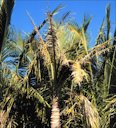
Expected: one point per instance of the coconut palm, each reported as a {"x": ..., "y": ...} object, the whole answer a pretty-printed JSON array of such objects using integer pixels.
[
  {"x": 58, "y": 78},
  {"x": 101, "y": 70}
]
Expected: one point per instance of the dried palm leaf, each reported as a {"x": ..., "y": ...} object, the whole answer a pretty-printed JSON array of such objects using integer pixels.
[
  {"x": 90, "y": 113},
  {"x": 78, "y": 73}
]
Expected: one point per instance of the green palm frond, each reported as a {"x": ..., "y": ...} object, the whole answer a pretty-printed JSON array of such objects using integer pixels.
[
  {"x": 5, "y": 15},
  {"x": 79, "y": 36},
  {"x": 100, "y": 37},
  {"x": 104, "y": 33},
  {"x": 86, "y": 22},
  {"x": 66, "y": 15},
  {"x": 108, "y": 20},
  {"x": 55, "y": 11},
  {"x": 99, "y": 49}
]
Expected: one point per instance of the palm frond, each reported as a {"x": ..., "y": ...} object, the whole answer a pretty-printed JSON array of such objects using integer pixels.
[
  {"x": 78, "y": 73},
  {"x": 90, "y": 113},
  {"x": 100, "y": 37},
  {"x": 5, "y": 15},
  {"x": 99, "y": 49},
  {"x": 86, "y": 23},
  {"x": 108, "y": 20},
  {"x": 64, "y": 17},
  {"x": 55, "y": 11}
]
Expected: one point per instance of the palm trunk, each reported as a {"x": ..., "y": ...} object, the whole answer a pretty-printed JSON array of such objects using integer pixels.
[{"x": 55, "y": 116}]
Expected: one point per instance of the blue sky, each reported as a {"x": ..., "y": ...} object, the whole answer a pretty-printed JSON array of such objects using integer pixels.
[{"x": 78, "y": 8}]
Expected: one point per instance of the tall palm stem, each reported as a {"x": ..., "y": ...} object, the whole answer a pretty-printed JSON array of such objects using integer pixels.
[{"x": 55, "y": 115}]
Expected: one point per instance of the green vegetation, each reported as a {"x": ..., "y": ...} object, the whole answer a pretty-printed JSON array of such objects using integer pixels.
[{"x": 55, "y": 80}]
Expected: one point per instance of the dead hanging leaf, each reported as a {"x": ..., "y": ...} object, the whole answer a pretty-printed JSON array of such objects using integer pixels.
[
  {"x": 78, "y": 73},
  {"x": 3, "y": 118},
  {"x": 89, "y": 112}
]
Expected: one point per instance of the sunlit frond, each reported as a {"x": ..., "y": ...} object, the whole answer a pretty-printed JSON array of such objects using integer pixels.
[
  {"x": 90, "y": 113},
  {"x": 78, "y": 73}
]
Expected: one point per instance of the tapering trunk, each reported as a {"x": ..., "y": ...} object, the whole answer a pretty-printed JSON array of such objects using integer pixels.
[
  {"x": 52, "y": 47},
  {"x": 55, "y": 116}
]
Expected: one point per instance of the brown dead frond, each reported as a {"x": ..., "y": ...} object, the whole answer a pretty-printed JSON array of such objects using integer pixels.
[
  {"x": 3, "y": 118},
  {"x": 78, "y": 73},
  {"x": 89, "y": 112}
]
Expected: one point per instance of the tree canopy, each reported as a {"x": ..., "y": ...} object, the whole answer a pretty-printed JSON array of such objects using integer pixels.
[{"x": 55, "y": 80}]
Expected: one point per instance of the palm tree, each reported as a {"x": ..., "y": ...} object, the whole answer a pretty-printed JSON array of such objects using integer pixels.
[
  {"x": 98, "y": 71},
  {"x": 57, "y": 75}
]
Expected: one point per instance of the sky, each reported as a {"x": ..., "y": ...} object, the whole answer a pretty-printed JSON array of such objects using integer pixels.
[{"x": 38, "y": 8}]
